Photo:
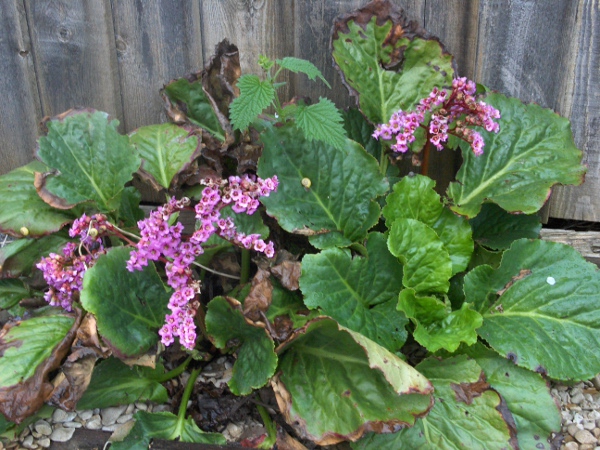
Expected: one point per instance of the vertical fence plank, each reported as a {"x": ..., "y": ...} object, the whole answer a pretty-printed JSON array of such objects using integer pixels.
[
  {"x": 20, "y": 102},
  {"x": 582, "y": 103},
  {"x": 255, "y": 26},
  {"x": 156, "y": 41},
  {"x": 74, "y": 53}
]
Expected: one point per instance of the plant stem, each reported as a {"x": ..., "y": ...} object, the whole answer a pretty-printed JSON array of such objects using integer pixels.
[
  {"x": 187, "y": 394},
  {"x": 383, "y": 162},
  {"x": 359, "y": 248},
  {"x": 245, "y": 266},
  {"x": 208, "y": 269},
  {"x": 425, "y": 162},
  {"x": 269, "y": 442},
  {"x": 175, "y": 372}
]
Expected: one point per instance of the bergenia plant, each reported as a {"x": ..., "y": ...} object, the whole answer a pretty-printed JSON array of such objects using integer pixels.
[{"x": 372, "y": 306}]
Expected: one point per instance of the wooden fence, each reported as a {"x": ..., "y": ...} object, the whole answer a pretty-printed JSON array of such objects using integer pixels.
[{"x": 114, "y": 55}]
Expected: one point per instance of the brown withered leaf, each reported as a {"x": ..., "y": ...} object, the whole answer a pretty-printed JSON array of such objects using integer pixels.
[
  {"x": 260, "y": 296},
  {"x": 39, "y": 182},
  {"x": 466, "y": 392},
  {"x": 24, "y": 399},
  {"x": 220, "y": 75},
  {"x": 288, "y": 274},
  {"x": 522, "y": 274}
]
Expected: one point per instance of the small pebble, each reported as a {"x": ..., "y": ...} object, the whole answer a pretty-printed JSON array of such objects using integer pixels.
[
  {"x": 141, "y": 406},
  {"x": 130, "y": 409},
  {"x": 571, "y": 446},
  {"x": 585, "y": 437},
  {"x": 125, "y": 418},
  {"x": 44, "y": 442},
  {"x": 59, "y": 416},
  {"x": 572, "y": 429},
  {"x": 111, "y": 428},
  {"x": 43, "y": 428},
  {"x": 577, "y": 398},
  {"x": 61, "y": 434},
  {"x": 26, "y": 432},
  {"x": 110, "y": 415},
  {"x": 72, "y": 424},
  {"x": 28, "y": 442},
  {"x": 85, "y": 414},
  {"x": 95, "y": 423}
]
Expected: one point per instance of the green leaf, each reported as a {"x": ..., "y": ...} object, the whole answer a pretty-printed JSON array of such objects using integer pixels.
[
  {"x": 18, "y": 257},
  {"x": 437, "y": 326},
  {"x": 354, "y": 385},
  {"x": 130, "y": 306},
  {"x": 343, "y": 184},
  {"x": 28, "y": 344},
  {"x": 359, "y": 293},
  {"x": 255, "y": 95},
  {"x": 323, "y": 122},
  {"x": 303, "y": 66},
  {"x": 496, "y": 229},
  {"x": 193, "y": 100},
  {"x": 533, "y": 151},
  {"x": 165, "y": 149},
  {"x": 164, "y": 425},
  {"x": 247, "y": 224},
  {"x": 256, "y": 358},
  {"x": 93, "y": 160},
  {"x": 364, "y": 51},
  {"x": 129, "y": 211},
  {"x": 541, "y": 309},
  {"x": 414, "y": 197},
  {"x": 288, "y": 303},
  {"x": 526, "y": 394},
  {"x": 427, "y": 265},
  {"x": 12, "y": 292},
  {"x": 115, "y": 383},
  {"x": 23, "y": 207},
  {"x": 466, "y": 413}
]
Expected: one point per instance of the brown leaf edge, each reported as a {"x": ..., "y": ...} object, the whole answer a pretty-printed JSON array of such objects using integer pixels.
[
  {"x": 383, "y": 11},
  {"x": 24, "y": 399},
  {"x": 284, "y": 401}
]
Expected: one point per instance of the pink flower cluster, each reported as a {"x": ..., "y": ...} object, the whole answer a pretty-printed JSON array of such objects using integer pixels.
[
  {"x": 159, "y": 240},
  {"x": 450, "y": 114},
  {"x": 64, "y": 273}
]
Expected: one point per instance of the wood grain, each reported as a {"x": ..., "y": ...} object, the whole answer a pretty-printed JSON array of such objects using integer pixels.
[
  {"x": 74, "y": 54},
  {"x": 21, "y": 111}
]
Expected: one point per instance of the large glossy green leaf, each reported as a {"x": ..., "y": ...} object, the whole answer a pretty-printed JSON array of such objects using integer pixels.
[
  {"x": 354, "y": 385},
  {"x": 164, "y": 425},
  {"x": 22, "y": 207},
  {"x": 466, "y": 413},
  {"x": 94, "y": 162},
  {"x": 18, "y": 257},
  {"x": 427, "y": 264},
  {"x": 437, "y": 326},
  {"x": 115, "y": 383},
  {"x": 322, "y": 190},
  {"x": 256, "y": 358},
  {"x": 165, "y": 149},
  {"x": 496, "y": 229},
  {"x": 387, "y": 63},
  {"x": 193, "y": 100},
  {"x": 414, "y": 197},
  {"x": 360, "y": 293},
  {"x": 541, "y": 309},
  {"x": 130, "y": 306},
  {"x": 12, "y": 292},
  {"x": 533, "y": 151},
  {"x": 526, "y": 394}
]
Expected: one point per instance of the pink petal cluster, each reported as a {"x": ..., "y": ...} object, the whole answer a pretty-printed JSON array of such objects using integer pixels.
[
  {"x": 450, "y": 114},
  {"x": 64, "y": 273},
  {"x": 159, "y": 240}
]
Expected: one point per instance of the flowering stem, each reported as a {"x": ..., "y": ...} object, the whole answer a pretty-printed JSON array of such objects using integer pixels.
[
  {"x": 175, "y": 372},
  {"x": 383, "y": 162},
  {"x": 208, "y": 269},
  {"x": 425, "y": 162},
  {"x": 187, "y": 394},
  {"x": 245, "y": 266}
]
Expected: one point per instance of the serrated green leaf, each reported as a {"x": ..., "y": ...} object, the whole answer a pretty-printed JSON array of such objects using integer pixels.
[
  {"x": 165, "y": 149},
  {"x": 23, "y": 207},
  {"x": 364, "y": 51},
  {"x": 465, "y": 415},
  {"x": 12, "y": 292},
  {"x": 303, "y": 66},
  {"x": 164, "y": 425},
  {"x": 354, "y": 384},
  {"x": 343, "y": 184},
  {"x": 526, "y": 394},
  {"x": 360, "y": 293},
  {"x": 191, "y": 98},
  {"x": 115, "y": 383},
  {"x": 94, "y": 162},
  {"x": 541, "y": 309},
  {"x": 256, "y": 358},
  {"x": 18, "y": 257},
  {"x": 130, "y": 307},
  {"x": 255, "y": 95},
  {"x": 427, "y": 265},
  {"x": 533, "y": 151},
  {"x": 496, "y": 229},
  {"x": 323, "y": 122}
]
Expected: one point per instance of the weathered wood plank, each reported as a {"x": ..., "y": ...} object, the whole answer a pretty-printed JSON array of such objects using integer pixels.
[
  {"x": 255, "y": 26},
  {"x": 155, "y": 41},
  {"x": 581, "y": 90},
  {"x": 20, "y": 112},
  {"x": 585, "y": 242},
  {"x": 74, "y": 53}
]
